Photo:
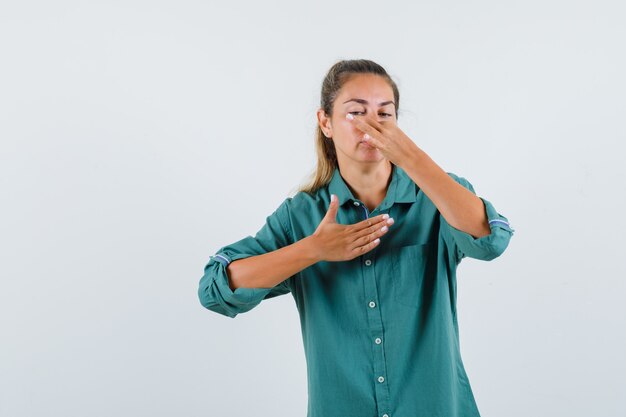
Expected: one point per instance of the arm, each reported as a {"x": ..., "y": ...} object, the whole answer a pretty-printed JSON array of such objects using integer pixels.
[
  {"x": 272, "y": 268},
  {"x": 470, "y": 225},
  {"x": 459, "y": 206},
  {"x": 271, "y": 262},
  {"x": 484, "y": 248}
]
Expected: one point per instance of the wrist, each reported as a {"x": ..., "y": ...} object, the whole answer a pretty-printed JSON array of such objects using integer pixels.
[{"x": 310, "y": 249}]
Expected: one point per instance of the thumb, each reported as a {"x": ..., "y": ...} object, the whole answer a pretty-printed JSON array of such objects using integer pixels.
[{"x": 331, "y": 214}]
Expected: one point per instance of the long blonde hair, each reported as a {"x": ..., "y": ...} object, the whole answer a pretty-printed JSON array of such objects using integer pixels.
[{"x": 336, "y": 77}]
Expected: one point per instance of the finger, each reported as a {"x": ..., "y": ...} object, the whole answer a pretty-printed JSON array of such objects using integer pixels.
[
  {"x": 365, "y": 122},
  {"x": 372, "y": 127},
  {"x": 378, "y": 125},
  {"x": 366, "y": 125},
  {"x": 364, "y": 224},
  {"x": 372, "y": 136},
  {"x": 331, "y": 213},
  {"x": 372, "y": 141},
  {"x": 373, "y": 229},
  {"x": 360, "y": 250},
  {"x": 371, "y": 233}
]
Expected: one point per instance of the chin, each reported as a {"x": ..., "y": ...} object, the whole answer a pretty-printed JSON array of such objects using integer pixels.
[{"x": 369, "y": 156}]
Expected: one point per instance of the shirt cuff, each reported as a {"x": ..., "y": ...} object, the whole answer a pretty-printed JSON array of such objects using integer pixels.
[
  {"x": 486, "y": 247},
  {"x": 215, "y": 294}
]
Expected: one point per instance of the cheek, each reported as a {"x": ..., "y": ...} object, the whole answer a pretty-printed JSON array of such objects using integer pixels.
[
  {"x": 345, "y": 128},
  {"x": 350, "y": 127}
]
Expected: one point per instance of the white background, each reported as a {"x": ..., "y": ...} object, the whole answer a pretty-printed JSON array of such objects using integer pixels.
[{"x": 138, "y": 137}]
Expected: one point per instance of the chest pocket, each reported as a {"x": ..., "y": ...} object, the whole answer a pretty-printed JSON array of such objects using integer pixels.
[{"x": 409, "y": 279}]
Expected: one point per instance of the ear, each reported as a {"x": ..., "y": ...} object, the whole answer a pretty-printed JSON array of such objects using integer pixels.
[{"x": 325, "y": 123}]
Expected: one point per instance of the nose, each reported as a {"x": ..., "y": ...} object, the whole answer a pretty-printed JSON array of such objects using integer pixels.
[
  {"x": 370, "y": 118},
  {"x": 379, "y": 119}
]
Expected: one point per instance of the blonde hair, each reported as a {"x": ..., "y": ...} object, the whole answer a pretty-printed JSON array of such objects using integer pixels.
[{"x": 336, "y": 77}]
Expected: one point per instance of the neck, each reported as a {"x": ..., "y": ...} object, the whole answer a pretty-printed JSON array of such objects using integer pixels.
[{"x": 368, "y": 183}]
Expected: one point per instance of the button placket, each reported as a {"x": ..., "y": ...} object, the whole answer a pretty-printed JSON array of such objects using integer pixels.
[{"x": 375, "y": 322}]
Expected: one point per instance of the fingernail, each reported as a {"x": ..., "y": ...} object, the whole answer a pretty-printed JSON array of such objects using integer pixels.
[
  {"x": 385, "y": 216},
  {"x": 390, "y": 221},
  {"x": 333, "y": 197}
]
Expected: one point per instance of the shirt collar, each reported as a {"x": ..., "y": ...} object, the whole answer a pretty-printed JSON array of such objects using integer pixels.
[{"x": 402, "y": 189}]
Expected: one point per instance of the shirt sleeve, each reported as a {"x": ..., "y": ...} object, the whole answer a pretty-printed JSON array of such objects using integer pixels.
[
  {"x": 215, "y": 293},
  {"x": 486, "y": 247}
]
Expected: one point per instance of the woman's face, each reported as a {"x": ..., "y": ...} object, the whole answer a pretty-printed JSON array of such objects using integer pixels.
[{"x": 364, "y": 95}]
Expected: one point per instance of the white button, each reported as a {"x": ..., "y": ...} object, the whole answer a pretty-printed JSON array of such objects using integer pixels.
[
  {"x": 356, "y": 203},
  {"x": 385, "y": 415},
  {"x": 368, "y": 262},
  {"x": 372, "y": 304},
  {"x": 378, "y": 340},
  {"x": 381, "y": 379}
]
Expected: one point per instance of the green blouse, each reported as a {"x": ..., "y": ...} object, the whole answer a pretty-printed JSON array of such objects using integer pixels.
[{"x": 380, "y": 331}]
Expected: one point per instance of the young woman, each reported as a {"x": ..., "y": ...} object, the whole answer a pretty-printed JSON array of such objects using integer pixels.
[{"x": 369, "y": 251}]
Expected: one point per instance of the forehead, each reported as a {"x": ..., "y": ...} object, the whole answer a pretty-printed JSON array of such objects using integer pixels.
[{"x": 366, "y": 86}]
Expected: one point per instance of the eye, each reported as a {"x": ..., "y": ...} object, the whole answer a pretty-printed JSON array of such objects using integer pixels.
[{"x": 360, "y": 112}]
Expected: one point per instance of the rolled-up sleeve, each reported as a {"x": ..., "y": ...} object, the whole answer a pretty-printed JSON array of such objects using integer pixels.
[
  {"x": 486, "y": 247},
  {"x": 214, "y": 292}
]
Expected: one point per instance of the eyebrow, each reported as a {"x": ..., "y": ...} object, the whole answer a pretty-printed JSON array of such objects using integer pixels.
[{"x": 360, "y": 100}]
